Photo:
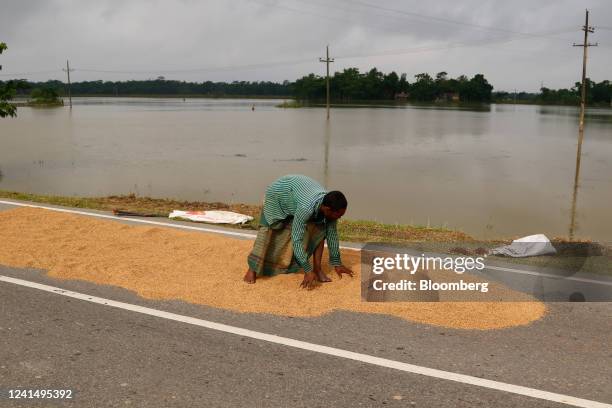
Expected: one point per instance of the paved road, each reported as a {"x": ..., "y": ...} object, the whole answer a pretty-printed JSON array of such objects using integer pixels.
[{"x": 113, "y": 357}]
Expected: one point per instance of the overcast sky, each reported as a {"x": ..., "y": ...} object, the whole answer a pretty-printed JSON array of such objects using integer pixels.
[{"x": 515, "y": 44}]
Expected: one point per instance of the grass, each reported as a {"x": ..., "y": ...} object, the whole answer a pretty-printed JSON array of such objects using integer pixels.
[
  {"x": 349, "y": 230},
  {"x": 180, "y": 96},
  {"x": 290, "y": 104},
  {"x": 40, "y": 104},
  {"x": 371, "y": 231}
]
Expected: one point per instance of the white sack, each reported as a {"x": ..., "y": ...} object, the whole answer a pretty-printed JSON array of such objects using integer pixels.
[
  {"x": 213, "y": 217},
  {"x": 533, "y": 245}
]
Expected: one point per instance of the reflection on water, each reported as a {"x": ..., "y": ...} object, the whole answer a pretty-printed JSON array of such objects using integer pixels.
[
  {"x": 404, "y": 105},
  {"x": 592, "y": 114},
  {"x": 499, "y": 171},
  {"x": 326, "y": 155}
]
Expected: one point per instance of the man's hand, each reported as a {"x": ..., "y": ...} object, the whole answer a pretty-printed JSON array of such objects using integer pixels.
[
  {"x": 340, "y": 269},
  {"x": 310, "y": 281}
]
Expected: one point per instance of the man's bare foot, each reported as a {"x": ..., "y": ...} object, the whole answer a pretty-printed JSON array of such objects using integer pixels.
[
  {"x": 250, "y": 276},
  {"x": 322, "y": 277}
]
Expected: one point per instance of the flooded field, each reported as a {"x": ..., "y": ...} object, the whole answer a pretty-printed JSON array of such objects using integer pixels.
[{"x": 500, "y": 170}]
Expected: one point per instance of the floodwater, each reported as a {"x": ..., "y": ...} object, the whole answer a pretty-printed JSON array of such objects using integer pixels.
[{"x": 497, "y": 171}]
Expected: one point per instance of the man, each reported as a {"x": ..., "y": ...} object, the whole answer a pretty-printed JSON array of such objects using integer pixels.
[{"x": 298, "y": 216}]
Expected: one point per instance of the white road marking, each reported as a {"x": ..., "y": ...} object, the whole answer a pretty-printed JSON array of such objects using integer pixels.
[
  {"x": 317, "y": 348},
  {"x": 114, "y": 217},
  {"x": 547, "y": 275},
  {"x": 141, "y": 221}
]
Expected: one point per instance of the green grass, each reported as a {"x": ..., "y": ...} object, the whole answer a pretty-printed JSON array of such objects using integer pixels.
[
  {"x": 371, "y": 231},
  {"x": 78, "y": 202},
  {"x": 349, "y": 230},
  {"x": 290, "y": 104}
]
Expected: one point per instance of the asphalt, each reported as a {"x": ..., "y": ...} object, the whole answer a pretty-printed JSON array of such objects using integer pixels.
[{"x": 113, "y": 357}]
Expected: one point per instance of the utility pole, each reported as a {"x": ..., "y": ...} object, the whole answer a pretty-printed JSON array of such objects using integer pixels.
[
  {"x": 67, "y": 70},
  {"x": 327, "y": 60},
  {"x": 585, "y": 45}
]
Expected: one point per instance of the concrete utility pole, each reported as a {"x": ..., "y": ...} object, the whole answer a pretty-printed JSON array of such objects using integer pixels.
[
  {"x": 327, "y": 60},
  {"x": 585, "y": 45},
  {"x": 67, "y": 70}
]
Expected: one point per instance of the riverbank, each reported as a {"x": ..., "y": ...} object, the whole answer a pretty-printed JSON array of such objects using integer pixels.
[
  {"x": 171, "y": 96},
  {"x": 37, "y": 104},
  {"x": 290, "y": 101},
  {"x": 349, "y": 230}
]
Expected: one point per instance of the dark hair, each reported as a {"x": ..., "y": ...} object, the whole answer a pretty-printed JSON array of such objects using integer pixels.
[{"x": 335, "y": 200}]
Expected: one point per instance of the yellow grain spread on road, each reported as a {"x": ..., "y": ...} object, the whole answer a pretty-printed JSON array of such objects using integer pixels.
[{"x": 207, "y": 269}]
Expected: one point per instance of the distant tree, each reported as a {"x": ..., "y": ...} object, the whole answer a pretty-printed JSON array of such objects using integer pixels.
[
  {"x": 601, "y": 92},
  {"x": 559, "y": 96},
  {"x": 390, "y": 85},
  {"x": 373, "y": 84},
  {"x": 597, "y": 93},
  {"x": 443, "y": 85},
  {"x": 45, "y": 95},
  {"x": 346, "y": 85},
  {"x": 476, "y": 89},
  {"x": 350, "y": 84},
  {"x": 423, "y": 89},
  {"x": 7, "y": 91},
  {"x": 403, "y": 85},
  {"x": 441, "y": 76},
  {"x": 309, "y": 87}
]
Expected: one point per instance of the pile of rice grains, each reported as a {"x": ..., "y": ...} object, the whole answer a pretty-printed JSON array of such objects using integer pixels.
[{"x": 207, "y": 269}]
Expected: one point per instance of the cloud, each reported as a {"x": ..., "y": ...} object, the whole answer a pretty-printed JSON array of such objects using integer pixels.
[{"x": 257, "y": 39}]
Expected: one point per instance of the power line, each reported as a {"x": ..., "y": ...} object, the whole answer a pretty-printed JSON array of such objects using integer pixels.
[
  {"x": 404, "y": 13},
  {"x": 31, "y": 73},
  {"x": 487, "y": 41},
  {"x": 476, "y": 43},
  {"x": 201, "y": 69},
  {"x": 272, "y": 64},
  {"x": 276, "y": 63},
  {"x": 450, "y": 21}
]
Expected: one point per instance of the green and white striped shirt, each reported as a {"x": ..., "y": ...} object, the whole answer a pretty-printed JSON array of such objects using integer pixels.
[{"x": 300, "y": 197}]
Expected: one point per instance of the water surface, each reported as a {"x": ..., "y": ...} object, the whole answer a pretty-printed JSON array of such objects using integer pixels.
[{"x": 503, "y": 170}]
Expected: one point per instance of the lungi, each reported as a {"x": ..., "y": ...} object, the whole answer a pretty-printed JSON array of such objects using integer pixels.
[{"x": 273, "y": 249}]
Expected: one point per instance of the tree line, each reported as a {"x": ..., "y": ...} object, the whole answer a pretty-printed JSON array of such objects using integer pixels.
[
  {"x": 350, "y": 84},
  {"x": 347, "y": 85},
  {"x": 162, "y": 86},
  {"x": 597, "y": 93}
]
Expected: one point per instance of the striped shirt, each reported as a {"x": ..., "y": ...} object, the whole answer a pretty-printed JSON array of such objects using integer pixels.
[{"x": 300, "y": 197}]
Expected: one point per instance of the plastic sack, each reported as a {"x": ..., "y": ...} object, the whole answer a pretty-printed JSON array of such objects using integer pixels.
[
  {"x": 533, "y": 245},
  {"x": 212, "y": 217}
]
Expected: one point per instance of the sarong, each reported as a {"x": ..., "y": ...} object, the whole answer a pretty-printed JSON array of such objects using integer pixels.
[{"x": 273, "y": 249}]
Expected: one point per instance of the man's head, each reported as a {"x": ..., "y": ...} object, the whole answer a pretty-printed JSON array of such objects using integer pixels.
[{"x": 334, "y": 205}]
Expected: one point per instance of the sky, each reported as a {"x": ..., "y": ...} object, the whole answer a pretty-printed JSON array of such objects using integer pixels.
[{"x": 518, "y": 44}]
